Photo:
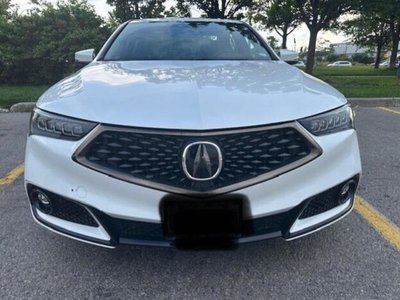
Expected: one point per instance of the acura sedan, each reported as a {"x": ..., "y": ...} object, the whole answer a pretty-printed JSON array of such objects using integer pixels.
[{"x": 189, "y": 132}]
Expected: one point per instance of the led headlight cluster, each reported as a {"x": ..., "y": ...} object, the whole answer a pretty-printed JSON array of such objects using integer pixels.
[
  {"x": 330, "y": 122},
  {"x": 46, "y": 124}
]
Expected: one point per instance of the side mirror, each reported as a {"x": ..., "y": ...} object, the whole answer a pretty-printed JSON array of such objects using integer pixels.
[
  {"x": 291, "y": 57},
  {"x": 84, "y": 57}
]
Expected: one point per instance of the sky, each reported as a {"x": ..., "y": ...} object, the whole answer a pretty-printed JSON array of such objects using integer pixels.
[{"x": 301, "y": 34}]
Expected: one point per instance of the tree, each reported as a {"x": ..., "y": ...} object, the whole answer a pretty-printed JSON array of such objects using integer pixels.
[
  {"x": 280, "y": 15},
  {"x": 391, "y": 8},
  {"x": 40, "y": 45},
  {"x": 137, "y": 9},
  {"x": 363, "y": 58},
  {"x": 181, "y": 9},
  {"x": 272, "y": 41},
  {"x": 321, "y": 15},
  {"x": 4, "y": 7},
  {"x": 395, "y": 32},
  {"x": 220, "y": 8},
  {"x": 388, "y": 12},
  {"x": 369, "y": 30},
  {"x": 4, "y": 17}
]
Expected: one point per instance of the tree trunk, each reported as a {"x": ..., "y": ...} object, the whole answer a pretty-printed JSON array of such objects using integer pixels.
[
  {"x": 137, "y": 11},
  {"x": 284, "y": 40},
  {"x": 311, "y": 50},
  {"x": 395, "y": 30},
  {"x": 393, "y": 57},
  {"x": 284, "y": 36},
  {"x": 378, "y": 55}
]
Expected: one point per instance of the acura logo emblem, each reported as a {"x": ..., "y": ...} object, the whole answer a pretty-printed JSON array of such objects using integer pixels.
[{"x": 202, "y": 161}]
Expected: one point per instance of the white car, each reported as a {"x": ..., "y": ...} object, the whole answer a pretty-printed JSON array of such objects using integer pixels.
[
  {"x": 342, "y": 64},
  {"x": 189, "y": 132},
  {"x": 386, "y": 64},
  {"x": 300, "y": 64}
]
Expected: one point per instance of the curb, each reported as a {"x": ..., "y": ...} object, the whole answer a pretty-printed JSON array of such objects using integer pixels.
[
  {"x": 374, "y": 102},
  {"x": 23, "y": 107}
]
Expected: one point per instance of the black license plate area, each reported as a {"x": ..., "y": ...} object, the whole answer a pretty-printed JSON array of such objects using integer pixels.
[{"x": 197, "y": 223}]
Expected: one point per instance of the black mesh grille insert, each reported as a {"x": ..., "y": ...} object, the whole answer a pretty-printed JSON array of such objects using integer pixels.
[
  {"x": 322, "y": 202},
  {"x": 157, "y": 158},
  {"x": 67, "y": 210}
]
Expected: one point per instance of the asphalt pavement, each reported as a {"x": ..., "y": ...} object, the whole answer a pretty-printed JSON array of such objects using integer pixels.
[{"x": 349, "y": 260}]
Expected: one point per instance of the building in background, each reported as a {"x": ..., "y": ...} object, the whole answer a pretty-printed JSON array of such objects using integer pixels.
[{"x": 349, "y": 49}]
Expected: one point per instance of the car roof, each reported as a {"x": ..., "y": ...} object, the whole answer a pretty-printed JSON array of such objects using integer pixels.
[{"x": 176, "y": 19}]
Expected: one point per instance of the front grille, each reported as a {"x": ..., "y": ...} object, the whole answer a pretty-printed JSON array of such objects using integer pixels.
[{"x": 155, "y": 158}]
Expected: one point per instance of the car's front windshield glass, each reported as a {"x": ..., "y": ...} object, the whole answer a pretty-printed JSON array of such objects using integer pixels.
[{"x": 186, "y": 40}]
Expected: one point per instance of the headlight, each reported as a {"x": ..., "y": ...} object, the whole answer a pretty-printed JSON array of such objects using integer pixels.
[
  {"x": 330, "y": 122},
  {"x": 47, "y": 124}
]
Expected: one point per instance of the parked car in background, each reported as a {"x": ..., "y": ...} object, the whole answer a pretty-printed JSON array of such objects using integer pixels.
[
  {"x": 299, "y": 64},
  {"x": 386, "y": 64},
  {"x": 341, "y": 64},
  {"x": 189, "y": 131}
]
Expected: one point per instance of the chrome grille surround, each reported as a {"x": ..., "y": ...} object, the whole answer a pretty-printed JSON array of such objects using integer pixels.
[{"x": 139, "y": 155}]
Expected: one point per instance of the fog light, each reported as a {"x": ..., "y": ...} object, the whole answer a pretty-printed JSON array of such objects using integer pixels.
[
  {"x": 43, "y": 198},
  {"x": 347, "y": 191},
  {"x": 43, "y": 202}
]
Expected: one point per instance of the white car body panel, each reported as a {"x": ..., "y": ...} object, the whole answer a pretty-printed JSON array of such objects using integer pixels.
[{"x": 195, "y": 95}]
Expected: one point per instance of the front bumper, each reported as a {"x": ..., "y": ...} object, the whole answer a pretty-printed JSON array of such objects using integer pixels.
[{"x": 129, "y": 213}]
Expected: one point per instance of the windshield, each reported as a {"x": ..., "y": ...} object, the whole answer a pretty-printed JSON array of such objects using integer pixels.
[{"x": 188, "y": 40}]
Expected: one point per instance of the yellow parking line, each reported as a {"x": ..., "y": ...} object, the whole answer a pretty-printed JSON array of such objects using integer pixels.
[
  {"x": 389, "y": 110},
  {"x": 11, "y": 176},
  {"x": 378, "y": 221}
]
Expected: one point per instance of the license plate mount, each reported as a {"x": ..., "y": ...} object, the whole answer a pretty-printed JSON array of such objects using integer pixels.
[{"x": 198, "y": 223}]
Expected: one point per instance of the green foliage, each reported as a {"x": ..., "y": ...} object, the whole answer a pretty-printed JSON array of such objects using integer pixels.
[
  {"x": 10, "y": 95},
  {"x": 367, "y": 30},
  {"x": 361, "y": 81},
  {"x": 39, "y": 47},
  {"x": 137, "y": 9},
  {"x": 280, "y": 15},
  {"x": 366, "y": 86},
  {"x": 324, "y": 14},
  {"x": 387, "y": 11},
  {"x": 220, "y": 8},
  {"x": 4, "y": 10},
  {"x": 324, "y": 72},
  {"x": 273, "y": 42},
  {"x": 335, "y": 57},
  {"x": 181, "y": 9},
  {"x": 363, "y": 58}
]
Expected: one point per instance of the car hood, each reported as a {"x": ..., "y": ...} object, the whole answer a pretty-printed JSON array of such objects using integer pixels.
[{"x": 195, "y": 95}]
